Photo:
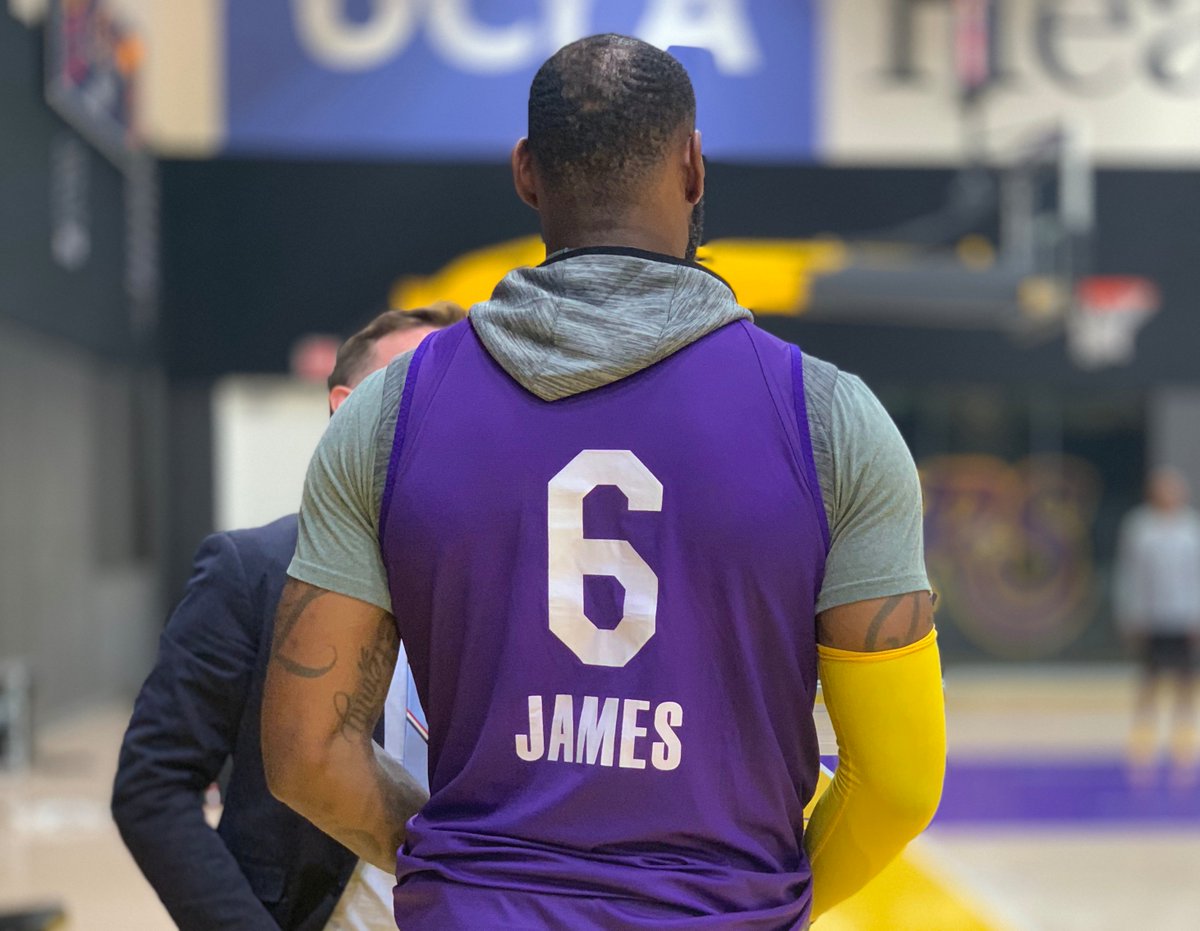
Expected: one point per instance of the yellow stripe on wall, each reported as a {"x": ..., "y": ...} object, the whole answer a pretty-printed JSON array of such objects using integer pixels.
[
  {"x": 773, "y": 276},
  {"x": 770, "y": 276}
]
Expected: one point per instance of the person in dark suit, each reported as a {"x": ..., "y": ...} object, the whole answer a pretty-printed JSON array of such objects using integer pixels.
[{"x": 264, "y": 866}]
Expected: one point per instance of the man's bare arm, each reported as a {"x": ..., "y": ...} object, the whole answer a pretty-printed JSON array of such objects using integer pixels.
[
  {"x": 882, "y": 685},
  {"x": 877, "y": 624},
  {"x": 331, "y": 665}
]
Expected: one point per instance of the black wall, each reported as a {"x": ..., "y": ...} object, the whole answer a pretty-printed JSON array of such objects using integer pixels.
[
  {"x": 257, "y": 253},
  {"x": 86, "y": 305}
]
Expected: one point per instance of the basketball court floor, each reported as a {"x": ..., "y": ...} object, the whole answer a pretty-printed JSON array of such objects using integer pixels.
[{"x": 1039, "y": 829}]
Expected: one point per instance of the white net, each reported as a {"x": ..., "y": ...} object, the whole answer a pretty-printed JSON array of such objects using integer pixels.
[{"x": 1103, "y": 325}]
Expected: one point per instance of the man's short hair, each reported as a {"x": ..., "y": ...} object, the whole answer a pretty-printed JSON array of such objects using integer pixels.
[
  {"x": 354, "y": 355},
  {"x": 602, "y": 114}
]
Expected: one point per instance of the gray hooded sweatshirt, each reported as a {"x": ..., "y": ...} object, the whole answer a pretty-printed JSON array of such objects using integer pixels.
[{"x": 585, "y": 320}]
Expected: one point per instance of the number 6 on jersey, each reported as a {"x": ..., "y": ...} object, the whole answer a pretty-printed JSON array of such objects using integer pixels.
[{"x": 572, "y": 556}]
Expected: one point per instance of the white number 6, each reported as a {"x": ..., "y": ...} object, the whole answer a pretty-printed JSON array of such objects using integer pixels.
[{"x": 572, "y": 556}]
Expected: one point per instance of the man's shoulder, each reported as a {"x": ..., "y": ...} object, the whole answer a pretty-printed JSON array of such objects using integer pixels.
[
  {"x": 843, "y": 411},
  {"x": 820, "y": 375},
  {"x": 278, "y": 533},
  {"x": 264, "y": 549}
]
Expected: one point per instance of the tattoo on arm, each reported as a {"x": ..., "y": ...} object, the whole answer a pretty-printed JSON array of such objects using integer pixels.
[
  {"x": 358, "y": 794},
  {"x": 887, "y": 609},
  {"x": 296, "y": 598},
  {"x": 883, "y": 624},
  {"x": 915, "y": 623},
  {"x": 357, "y": 711}
]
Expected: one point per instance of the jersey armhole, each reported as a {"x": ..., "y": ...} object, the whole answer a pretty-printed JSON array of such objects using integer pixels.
[
  {"x": 810, "y": 468},
  {"x": 401, "y": 431}
]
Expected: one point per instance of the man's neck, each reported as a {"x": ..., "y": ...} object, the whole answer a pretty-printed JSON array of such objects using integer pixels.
[{"x": 645, "y": 238}]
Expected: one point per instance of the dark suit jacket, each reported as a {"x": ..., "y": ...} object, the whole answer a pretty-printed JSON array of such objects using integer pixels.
[{"x": 265, "y": 865}]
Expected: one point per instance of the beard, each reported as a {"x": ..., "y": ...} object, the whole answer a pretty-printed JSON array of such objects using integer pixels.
[{"x": 695, "y": 230}]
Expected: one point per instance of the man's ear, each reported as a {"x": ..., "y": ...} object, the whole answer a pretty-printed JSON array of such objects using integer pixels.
[
  {"x": 337, "y": 396},
  {"x": 523, "y": 174},
  {"x": 695, "y": 169}
]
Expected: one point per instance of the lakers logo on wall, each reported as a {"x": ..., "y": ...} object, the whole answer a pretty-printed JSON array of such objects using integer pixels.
[{"x": 1009, "y": 549}]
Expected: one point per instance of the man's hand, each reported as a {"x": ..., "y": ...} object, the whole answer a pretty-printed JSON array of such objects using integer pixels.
[{"x": 331, "y": 665}]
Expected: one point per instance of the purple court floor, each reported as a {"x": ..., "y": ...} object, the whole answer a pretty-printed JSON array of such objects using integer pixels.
[
  {"x": 1079, "y": 792},
  {"x": 1093, "y": 792}
]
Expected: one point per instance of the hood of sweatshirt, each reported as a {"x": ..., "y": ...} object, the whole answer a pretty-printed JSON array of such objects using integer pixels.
[{"x": 589, "y": 317}]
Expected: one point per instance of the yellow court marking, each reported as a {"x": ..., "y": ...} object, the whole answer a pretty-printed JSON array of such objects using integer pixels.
[{"x": 909, "y": 895}]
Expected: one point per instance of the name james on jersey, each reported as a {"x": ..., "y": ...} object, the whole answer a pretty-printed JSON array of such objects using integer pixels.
[{"x": 591, "y": 736}]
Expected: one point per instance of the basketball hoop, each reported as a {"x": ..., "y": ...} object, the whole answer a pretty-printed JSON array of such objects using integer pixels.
[{"x": 1108, "y": 312}]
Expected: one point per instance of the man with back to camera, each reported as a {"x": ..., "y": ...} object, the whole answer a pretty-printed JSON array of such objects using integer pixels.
[
  {"x": 617, "y": 528},
  {"x": 264, "y": 867}
]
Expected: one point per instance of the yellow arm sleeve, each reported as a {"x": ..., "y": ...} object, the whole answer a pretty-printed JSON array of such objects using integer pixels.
[{"x": 889, "y": 715}]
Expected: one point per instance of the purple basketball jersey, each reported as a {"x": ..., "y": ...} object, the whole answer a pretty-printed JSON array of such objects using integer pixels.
[{"x": 608, "y": 604}]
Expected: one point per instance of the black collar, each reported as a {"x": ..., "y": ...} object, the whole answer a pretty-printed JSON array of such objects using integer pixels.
[{"x": 634, "y": 253}]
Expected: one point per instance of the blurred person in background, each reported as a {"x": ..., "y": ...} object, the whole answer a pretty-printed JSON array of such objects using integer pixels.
[
  {"x": 1158, "y": 611},
  {"x": 617, "y": 528},
  {"x": 264, "y": 866}
]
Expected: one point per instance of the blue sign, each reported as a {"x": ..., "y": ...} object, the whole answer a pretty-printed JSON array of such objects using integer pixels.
[{"x": 450, "y": 78}]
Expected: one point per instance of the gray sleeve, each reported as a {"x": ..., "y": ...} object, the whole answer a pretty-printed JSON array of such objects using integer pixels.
[
  {"x": 871, "y": 492},
  {"x": 338, "y": 545}
]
